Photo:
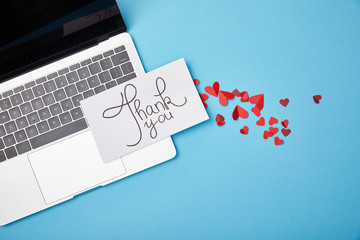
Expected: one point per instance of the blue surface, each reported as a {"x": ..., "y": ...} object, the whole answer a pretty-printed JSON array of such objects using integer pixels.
[{"x": 224, "y": 185}]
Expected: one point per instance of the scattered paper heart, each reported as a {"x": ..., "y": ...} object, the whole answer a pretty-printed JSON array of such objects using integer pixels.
[
  {"x": 284, "y": 102},
  {"x": 317, "y": 98},
  {"x": 224, "y": 96},
  {"x": 278, "y": 141},
  {"x": 214, "y": 90},
  {"x": 261, "y": 122},
  {"x": 273, "y": 121},
  {"x": 240, "y": 112},
  {"x": 244, "y": 96},
  {"x": 267, "y": 134},
  {"x": 256, "y": 111},
  {"x": 236, "y": 93},
  {"x": 285, "y": 123},
  {"x": 285, "y": 132},
  {"x": 196, "y": 81},
  {"x": 244, "y": 130},
  {"x": 273, "y": 131},
  {"x": 204, "y": 97}
]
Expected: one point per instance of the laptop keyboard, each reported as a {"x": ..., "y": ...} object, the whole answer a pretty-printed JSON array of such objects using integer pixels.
[{"x": 48, "y": 109}]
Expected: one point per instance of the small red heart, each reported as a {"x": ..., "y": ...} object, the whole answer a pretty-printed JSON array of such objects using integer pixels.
[
  {"x": 273, "y": 131},
  {"x": 285, "y": 123},
  {"x": 284, "y": 102},
  {"x": 224, "y": 96},
  {"x": 256, "y": 98},
  {"x": 278, "y": 141},
  {"x": 267, "y": 134},
  {"x": 260, "y": 122},
  {"x": 204, "y": 97},
  {"x": 273, "y": 121},
  {"x": 317, "y": 98},
  {"x": 219, "y": 118},
  {"x": 285, "y": 132},
  {"x": 244, "y": 96},
  {"x": 196, "y": 81},
  {"x": 236, "y": 93},
  {"x": 214, "y": 90},
  {"x": 221, "y": 123},
  {"x": 244, "y": 130},
  {"x": 260, "y": 103},
  {"x": 240, "y": 112},
  {"x": 256, "y": 111}
]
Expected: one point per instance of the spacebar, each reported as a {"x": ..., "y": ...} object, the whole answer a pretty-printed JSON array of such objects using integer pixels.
[{"x": 58, "y": 133}]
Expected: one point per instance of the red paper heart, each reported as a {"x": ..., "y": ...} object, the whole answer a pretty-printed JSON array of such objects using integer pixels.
[
  {"x": 256, "y": 98},
  {"x": 244, "y": 130},
  {"x": 214, "y": 90},
  {"x": 285, "y": 123},
  {"x": 244, "y": 96},
  {"x": 256, "y": 111},
  {"x": 240, "y": 112},
  {"x": 204, "y": 97},
  {"x": 219, "y": 118},
  {"x": 260, "y": 103},
  {"x": 196, "y": 81},
  {"x": 224, "y": 96},
  {"x": 221, "y": 123},
  {"x": 273, "y": 121},
  {"x": 267, "y": 134},
  {"x": 285, "y": 132},
  {"x": 284, "y": 102},
  {"x": 260, "y": 122},
  {"x": 278, "y": 141},
  {"x": 273, "y": 131},
  {"x": 236, "y": 93},
  {"x": 317, "y": 98}
]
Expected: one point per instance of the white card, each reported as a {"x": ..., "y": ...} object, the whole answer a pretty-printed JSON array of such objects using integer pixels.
[{"x": 144, "y": 110}]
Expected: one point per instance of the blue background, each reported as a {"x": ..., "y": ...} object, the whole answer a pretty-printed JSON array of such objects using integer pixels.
[{"x": 222, "y": 184}]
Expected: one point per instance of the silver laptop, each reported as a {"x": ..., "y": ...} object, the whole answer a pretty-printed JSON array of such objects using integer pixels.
[{"x": 53, "y": 54}]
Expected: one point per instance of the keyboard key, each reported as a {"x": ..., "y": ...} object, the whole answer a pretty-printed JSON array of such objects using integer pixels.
[
  {"x": 10, "y": 152},
  {"x": 44, "y": 113},
  {"x": 54, "y": 122},
  {"x": 32, "y": 131},
  {"x": 127, "y": 68},
  {"x": 66, "y": 105},
  {"x": 59, "y": 95},
  {"x": 72, "y": 77},
  {"x": 119, "y": 49},
  {"x": 110, "y": 84},
  {"x": 63, "y": 71},
  {"x": 65, "y": 118},
  {"x": 120, "y": 58},
  {"x": 30, "y": 84},
  {"x": 76, "y": 113},
  {"x": 4, "y": 117},
  {"x": 94, "y": 68},
  {"x": 16, "y": 99},
  {"x": 126, "y": 78},
  {"x": 76, "y": 100},
  {"x": 48, "y": 99},
  {"x": 55, "y": 109},
  {"x": 104, "y": 77},
  {"x": 37, "y": 104},
  {"x": 97, "y": 58},
  {"x": 93, "y": 81},
  {"x": 5, "y": 104},
  {"x": 2, "y": 146},
  {"x": 33, "y": 118},
  {"x": 58, "y": 133},
  {"x": 83, "y": 72},
  {"x": 99, "y": 89},
  {"x": 20, "y": 136},
  {"x": 82, "y": 86},
  {"x": 9, "y": 140},
  {"x": 19, "y": 89},
  {"x": 108, "y": 53},
  {"x": 2, "y": 131},
  {"x": 7, "y": 93},
  {"x": 51, "y": 76},
  {"x": 71, "y": 90},
  {"x": 14, "y": 112},
  {"x": 2, "y": 156},
  {"x": 26, "y": 108},
  {"x": 38, "y": 90},
  {"x": 27, "y": 95},
  {"x": 40, "y": 80},
  {"x": 85, "y": 62},
  {"x": 75, "y": 66},
  {"x": 88, "y": 93},
  {"x": 106, "y": 64},
  {"x": 21, "y": 122},
  {"x": 50, "y": 86},
  {"x": 116, "y": 72},
  {"x": 43, "y": 127},
  {"x": 10, "y": 127},
  {"x": 61, "y": 82},
  {"x": 23, "y": 147}
]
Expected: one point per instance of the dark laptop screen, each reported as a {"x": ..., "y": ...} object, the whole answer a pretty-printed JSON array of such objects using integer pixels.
[{"x": 35, "y": 32}]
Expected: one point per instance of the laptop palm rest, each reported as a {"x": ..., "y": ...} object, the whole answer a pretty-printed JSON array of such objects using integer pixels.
[{"x": 72, "y": 166}]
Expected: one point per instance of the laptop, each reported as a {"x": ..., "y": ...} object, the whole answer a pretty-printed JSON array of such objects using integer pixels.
[{"x": 54, "y": 54}]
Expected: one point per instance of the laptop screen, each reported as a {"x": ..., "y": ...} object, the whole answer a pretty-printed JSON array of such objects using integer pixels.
[{"x": 36, "y": 32}]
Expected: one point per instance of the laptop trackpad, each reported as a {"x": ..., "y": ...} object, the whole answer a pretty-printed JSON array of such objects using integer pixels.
[{"x": 72, "y": 166}]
